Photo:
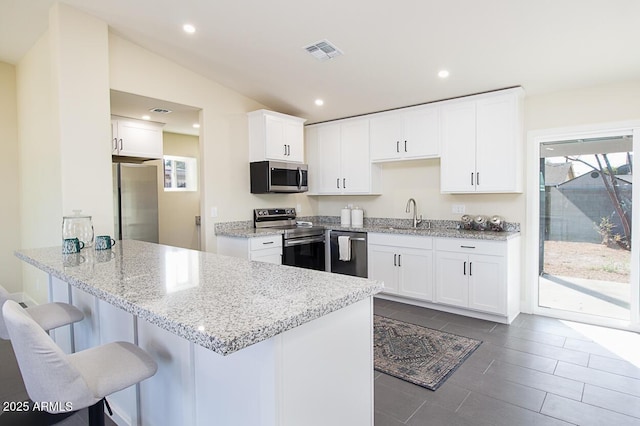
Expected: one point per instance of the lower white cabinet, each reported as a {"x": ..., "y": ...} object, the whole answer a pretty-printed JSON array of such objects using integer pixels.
[
  {"x": 262, "y": 249},
  {"x": 476, "y": 274},
  {"x": 404, "y": 263}
]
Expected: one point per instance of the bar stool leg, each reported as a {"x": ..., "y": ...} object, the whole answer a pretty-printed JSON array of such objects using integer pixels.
[{"x": 96, "y": 414}]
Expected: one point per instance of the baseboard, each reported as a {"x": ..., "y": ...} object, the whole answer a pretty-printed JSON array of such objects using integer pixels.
[{"x": 449, "y": 309}]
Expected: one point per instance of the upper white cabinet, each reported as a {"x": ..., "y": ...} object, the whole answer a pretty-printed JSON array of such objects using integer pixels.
[
  {"x": 275, "y": 136},
  {"x": 482, "y": 139},
  {"x": 338, "y": 156},
  {"x": 409, "y": 133},
  {"x": 132, "y": 138}
]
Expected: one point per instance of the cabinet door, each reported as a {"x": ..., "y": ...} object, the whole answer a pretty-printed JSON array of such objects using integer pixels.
[
  {"x": 421, "y": 133},
  {"x": 294, "y": 140},
  {"x": 452, "y": 284},
  {"x": 386, "y": 131},
  {"x": 487, "y": 283},
  {"x": 355, "y": 164},
  {"x": 328, "y": 161},
  {"x": 139, "y": 140},
  {"x": 275, "y": 148},
  {"x": 416, "y": 274},
  {"x": 114, "y": 137},
  {"x": 458, "y": 150},
  {"x": 497, "y": 145},
  {"x": 383, "y": 261}
]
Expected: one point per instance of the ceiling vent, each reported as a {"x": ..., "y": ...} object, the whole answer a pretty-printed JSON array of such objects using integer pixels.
[
  {"x": 323, "y": 50},
  {"x": 161, "y": 110}
]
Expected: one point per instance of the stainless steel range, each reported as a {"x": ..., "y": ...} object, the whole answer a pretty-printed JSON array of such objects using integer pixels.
[{"x": 303, "y": 245}]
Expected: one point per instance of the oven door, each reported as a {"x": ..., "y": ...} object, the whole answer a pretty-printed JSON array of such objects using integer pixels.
[{"x": 304, "y": 252}]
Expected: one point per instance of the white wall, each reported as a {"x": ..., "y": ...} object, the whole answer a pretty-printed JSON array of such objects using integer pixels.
[
  {"x": 224, "y": 143},
  {"x": 64, "y": 133},
  {"x": 10, "y": 268},
  {"x": 177, "y": 209}
]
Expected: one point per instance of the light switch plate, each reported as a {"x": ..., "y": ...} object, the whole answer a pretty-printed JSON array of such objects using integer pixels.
[
  {"x": 214, "y": 212},
  {"x": 458, "y": 208}
]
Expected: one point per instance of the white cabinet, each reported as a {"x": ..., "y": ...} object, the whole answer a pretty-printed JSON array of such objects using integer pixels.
[
  {"x": 338, "y": 155},
  {"x": 482, "y": 139},
  {"x": 262, "y": 249},
  {"x": 275, "y": 136},
  {"x": 406, "y": 134},
  {"x": 132, "y": 138},
  {"x": 403, "y": 262},
  {"x": 477, "y": 274}
]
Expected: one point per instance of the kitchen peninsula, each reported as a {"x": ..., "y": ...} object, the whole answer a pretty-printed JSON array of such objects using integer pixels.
[{"x": 237, "y": 342}]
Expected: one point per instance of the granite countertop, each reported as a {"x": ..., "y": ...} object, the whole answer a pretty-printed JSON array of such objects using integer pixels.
[
  {"x": 438, "y": 228},
  {"x": 219, "y": 302}
]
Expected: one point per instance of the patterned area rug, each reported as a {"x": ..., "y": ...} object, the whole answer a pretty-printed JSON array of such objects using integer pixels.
[{"x": 417, "y": 354}]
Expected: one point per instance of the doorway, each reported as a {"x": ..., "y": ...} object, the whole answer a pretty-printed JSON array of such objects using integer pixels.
[
  {"x": 178, "y": 172},
  {"x": 586, "y": 260}
]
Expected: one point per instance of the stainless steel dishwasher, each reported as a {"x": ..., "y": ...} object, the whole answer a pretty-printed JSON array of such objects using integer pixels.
[{"x": 357, "y": 264}]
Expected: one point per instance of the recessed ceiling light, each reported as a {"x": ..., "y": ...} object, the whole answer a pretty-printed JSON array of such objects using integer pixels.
[
  {"x": 196, "y": 125},
  {"x": 319, "y": 102},
  {"x": 189, "y": 29},
  {"x": 443, "y": 74},
  {"x": 146, "y": 117}
]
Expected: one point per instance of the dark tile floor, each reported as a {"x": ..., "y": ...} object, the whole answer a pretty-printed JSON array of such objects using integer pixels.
[
  {"x": 536, "y": 371},
  {"x": 12, "y": 390}
]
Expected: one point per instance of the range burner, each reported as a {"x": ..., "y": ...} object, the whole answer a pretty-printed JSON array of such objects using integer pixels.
[{"x": 285, "y": 218}]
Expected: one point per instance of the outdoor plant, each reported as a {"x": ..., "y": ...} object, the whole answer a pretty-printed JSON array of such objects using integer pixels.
[{"x": 606, "y": 230}]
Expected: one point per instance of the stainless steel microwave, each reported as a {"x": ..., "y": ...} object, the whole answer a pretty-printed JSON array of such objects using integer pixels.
[{"x": 273, "y": 176}]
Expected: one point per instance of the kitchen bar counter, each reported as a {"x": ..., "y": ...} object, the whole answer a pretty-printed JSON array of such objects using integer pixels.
[
  {"x": 221, "y": 303},
  {"x": 237, "y": 342}
]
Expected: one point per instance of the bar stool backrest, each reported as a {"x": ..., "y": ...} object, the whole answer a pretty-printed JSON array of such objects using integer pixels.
[{"x": 48, "y": 375}]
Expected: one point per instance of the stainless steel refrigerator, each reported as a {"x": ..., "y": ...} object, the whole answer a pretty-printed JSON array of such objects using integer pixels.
[{"x": 135, "y": 192}]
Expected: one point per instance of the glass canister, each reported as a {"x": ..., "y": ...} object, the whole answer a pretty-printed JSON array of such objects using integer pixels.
[{"x": 78, "y": 226}]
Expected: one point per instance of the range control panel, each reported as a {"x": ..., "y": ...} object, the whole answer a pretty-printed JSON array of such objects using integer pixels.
[{"x": 266, "y": 217}]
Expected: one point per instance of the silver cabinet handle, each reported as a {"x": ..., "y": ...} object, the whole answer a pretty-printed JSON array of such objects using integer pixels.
[
  {"x": 395, "y": 263},
  {"x": 285, "y": 149},
  {"x": 405, "y": 146},
  {"x": 397, "y": 146},
  {"x": 470, "y": 263},
  {"x": 344, "y": 182},
  {"x": 471, "y": 247},
  {"x": 338, "y": 183},
  {"x": 399, "y": 260},
  {"x": 464, "y": 268},
  {"x": 267, "y": 242},
  {"x": 115, "y": 144},
  {"x": 478, "y": 178},
  {"x": 121, "y": 144},
  {"x": 471, "y": 178}
]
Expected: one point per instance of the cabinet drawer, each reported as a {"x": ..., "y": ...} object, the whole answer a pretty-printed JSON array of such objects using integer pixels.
[
  {"x": 400, "y": 240},
  {"x": 267, "y": 242},
  {"x": 460, "y": 245}
]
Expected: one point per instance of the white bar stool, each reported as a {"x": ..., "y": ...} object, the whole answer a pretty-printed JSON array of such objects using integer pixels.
[
  {"x": 79, "y": 380},
  {"x": 48, "y": 315}
]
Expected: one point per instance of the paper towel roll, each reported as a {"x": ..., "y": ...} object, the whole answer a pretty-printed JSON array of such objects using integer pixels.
[
  {"x": 345, "y": 217},
  {"x": 357, "y": 218}
]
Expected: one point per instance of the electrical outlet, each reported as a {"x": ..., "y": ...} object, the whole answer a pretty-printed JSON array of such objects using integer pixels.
[
  {"x": 298, "y": 209},
  {"x": 458, "y": 208}
]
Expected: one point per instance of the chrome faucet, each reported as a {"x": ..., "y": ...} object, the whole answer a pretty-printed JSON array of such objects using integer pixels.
[{"x": 416, "y": 221}]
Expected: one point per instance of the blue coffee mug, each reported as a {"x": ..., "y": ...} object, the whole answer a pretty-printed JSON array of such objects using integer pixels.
[
  {"x": 104, "y": 242},
  {"x": 72, "y": 245}
]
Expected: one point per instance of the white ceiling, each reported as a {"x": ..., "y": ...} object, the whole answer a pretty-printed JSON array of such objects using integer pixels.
[{"x": 392, "y": 50}]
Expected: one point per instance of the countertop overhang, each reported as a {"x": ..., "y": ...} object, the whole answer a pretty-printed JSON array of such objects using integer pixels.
[{"x": 219, "y": 302}]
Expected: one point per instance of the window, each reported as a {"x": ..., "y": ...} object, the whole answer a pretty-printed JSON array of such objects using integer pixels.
[{"x": 180, "y": 173}]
